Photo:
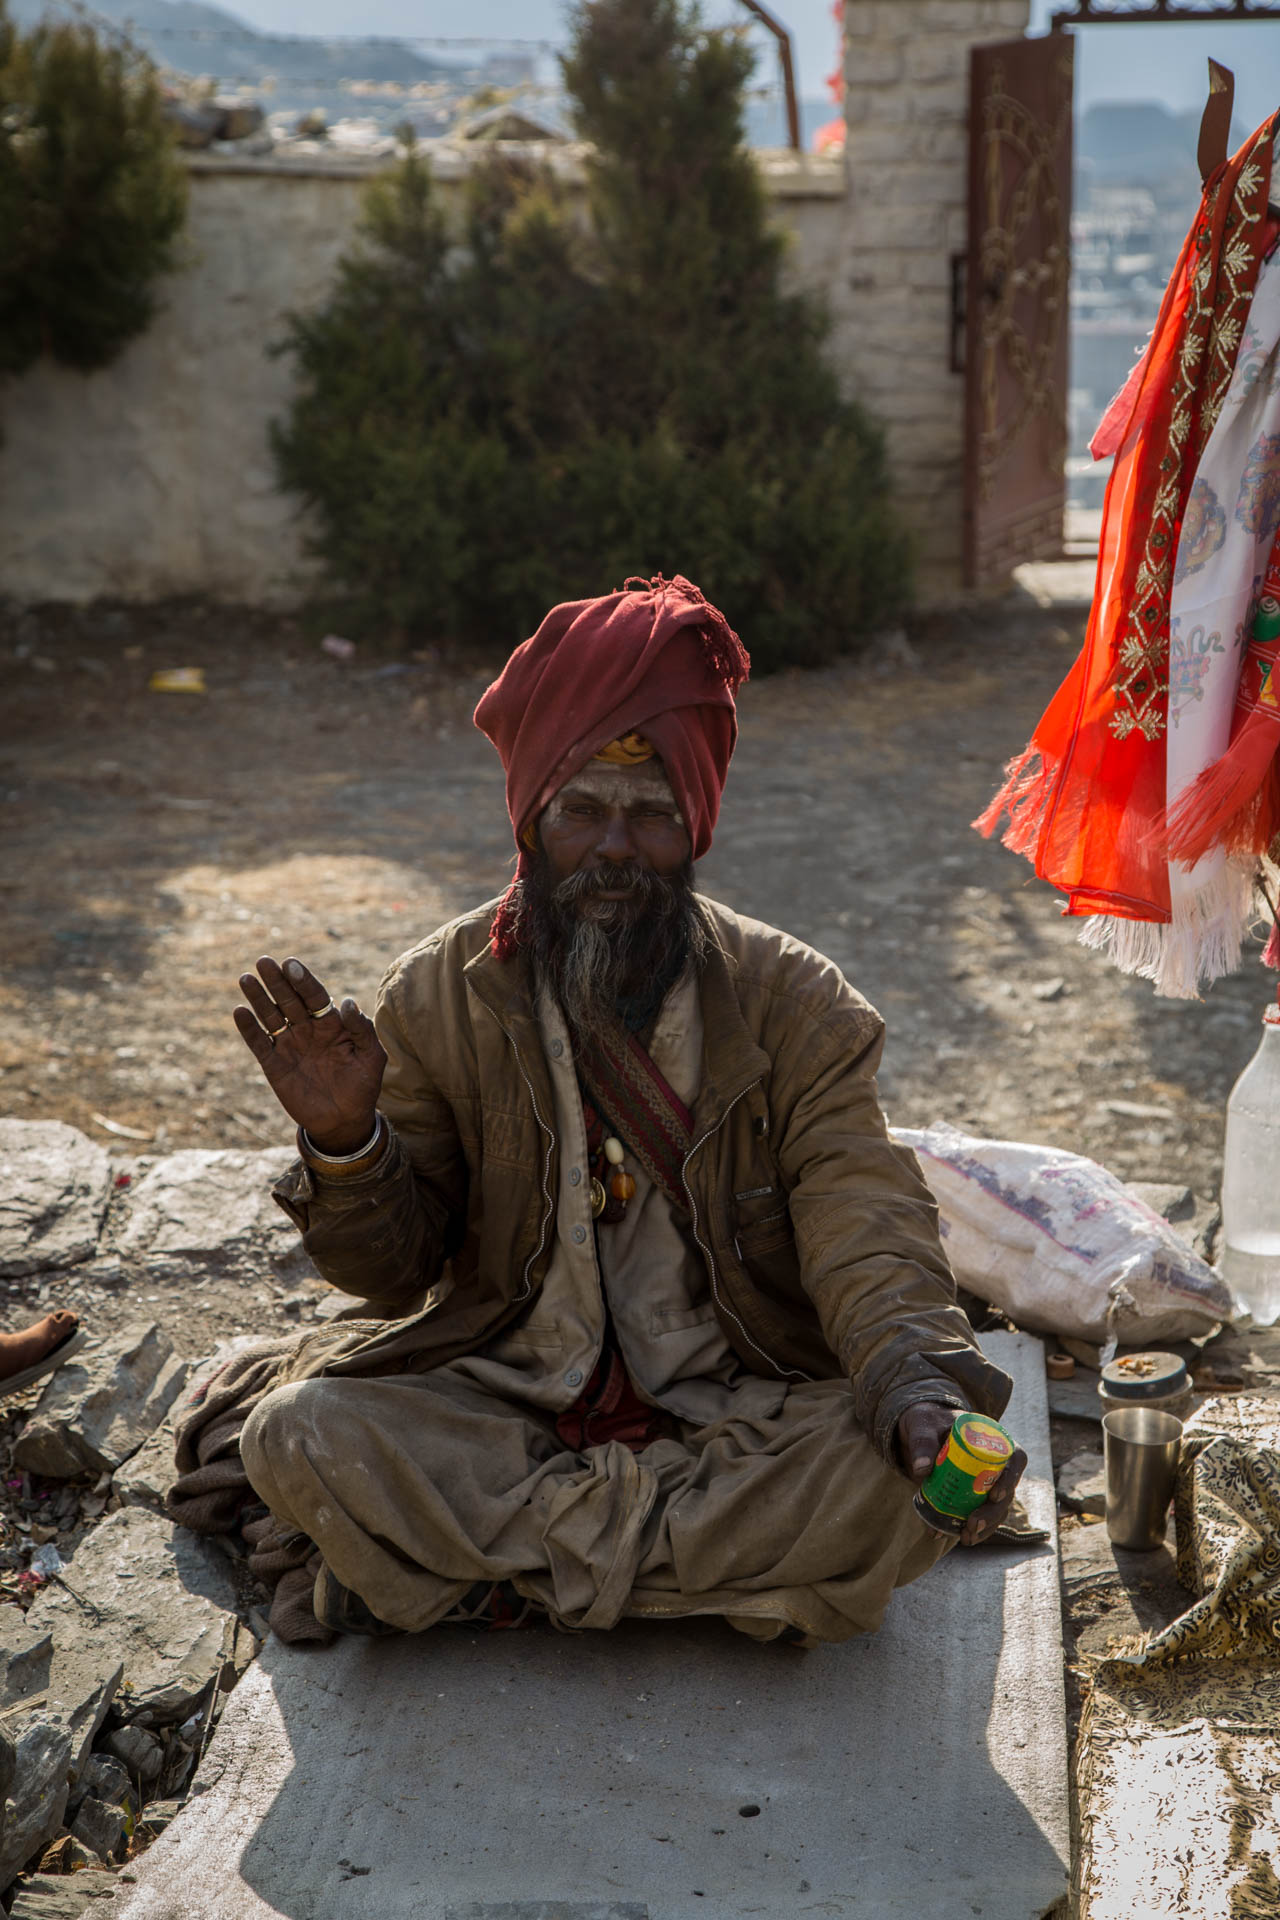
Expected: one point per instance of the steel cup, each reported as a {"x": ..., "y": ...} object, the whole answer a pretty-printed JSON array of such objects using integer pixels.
[{"x": 1141, "y": 1448}]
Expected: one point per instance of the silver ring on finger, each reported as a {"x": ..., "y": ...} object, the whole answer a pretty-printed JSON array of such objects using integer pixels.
[{"x": 320, "y": 1012}]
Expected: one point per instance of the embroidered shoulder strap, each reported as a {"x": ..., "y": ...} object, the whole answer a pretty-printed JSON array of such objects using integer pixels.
[{"x": 620, "y": 1080}]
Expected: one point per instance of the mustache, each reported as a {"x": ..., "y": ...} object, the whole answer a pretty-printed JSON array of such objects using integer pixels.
[{"x": 611, "y": 877}]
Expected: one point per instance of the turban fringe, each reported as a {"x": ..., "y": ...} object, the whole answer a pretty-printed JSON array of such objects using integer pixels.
[{"x": 654, "y": 658}]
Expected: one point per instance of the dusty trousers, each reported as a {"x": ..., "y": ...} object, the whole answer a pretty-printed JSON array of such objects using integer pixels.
[{"x": 415, "y": 1487}]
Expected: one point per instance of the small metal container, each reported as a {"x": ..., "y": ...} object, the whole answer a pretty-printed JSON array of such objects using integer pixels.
[
  {"x": 1141, "y": 1446},
  {"x": 1159, "y": 1381}
]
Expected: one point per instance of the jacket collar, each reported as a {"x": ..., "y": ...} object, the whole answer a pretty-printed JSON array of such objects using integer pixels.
[{"x": 732, "y": 1061}]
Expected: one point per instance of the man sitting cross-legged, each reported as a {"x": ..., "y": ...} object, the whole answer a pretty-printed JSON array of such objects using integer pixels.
[{"x": 671, "y": 1328}]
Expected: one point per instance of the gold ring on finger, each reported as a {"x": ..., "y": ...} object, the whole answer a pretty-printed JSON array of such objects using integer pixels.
[
  {"x": 272, "y": 1032},
  {"x": 320, "y": 1012}
]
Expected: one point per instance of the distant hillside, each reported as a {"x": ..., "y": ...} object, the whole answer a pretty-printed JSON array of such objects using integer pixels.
[
  {"x": 1143, "y": 144},
  {"x": 202, "y": 40}
]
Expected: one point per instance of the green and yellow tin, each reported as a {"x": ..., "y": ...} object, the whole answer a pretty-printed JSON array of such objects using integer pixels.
[{"x": 972, "y": 1458}]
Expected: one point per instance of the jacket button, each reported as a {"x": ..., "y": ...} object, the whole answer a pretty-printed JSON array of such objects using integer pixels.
[
  {"x": 579, "y": 1234},
  {"x": 575, "y": 1176},
  {"x": 557, "y": 1048},
  {"x": 573, "y": 1378}
]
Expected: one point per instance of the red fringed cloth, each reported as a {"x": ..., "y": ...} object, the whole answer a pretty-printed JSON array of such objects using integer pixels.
[
  {"x": 1086, "y": 800},
  {"x": 654, "y": 658}
]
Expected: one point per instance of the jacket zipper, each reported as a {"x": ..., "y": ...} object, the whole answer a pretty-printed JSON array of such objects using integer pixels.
[
  {"x": 549, "y": 1209},
  {"x": 793, "y": 1372}
]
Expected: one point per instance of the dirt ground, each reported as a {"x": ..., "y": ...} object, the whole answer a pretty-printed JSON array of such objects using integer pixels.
[{"x": 156, "y": 843}]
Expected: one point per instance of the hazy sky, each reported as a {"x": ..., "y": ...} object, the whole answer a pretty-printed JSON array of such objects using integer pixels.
[{"x": 1113, "y": 63}]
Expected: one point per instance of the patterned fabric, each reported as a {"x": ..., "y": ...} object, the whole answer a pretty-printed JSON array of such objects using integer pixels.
[
  {"x": 1180, "y": 1741},
  {"x": 1087, "y": 800},
  {"x": 1228, "y": 244},
  {"x": 609, "y": 1408},
  {"x": 1211, "y": 608},
  {"x": 1234, "y": 805},
  {"x": 620, "y": 1080},
  {"x": 630, "y": 750},
  {"x": 1204, "y": 528}
]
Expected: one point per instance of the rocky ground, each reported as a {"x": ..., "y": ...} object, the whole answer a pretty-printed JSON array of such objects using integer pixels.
[{"x": 156, "y": 843}]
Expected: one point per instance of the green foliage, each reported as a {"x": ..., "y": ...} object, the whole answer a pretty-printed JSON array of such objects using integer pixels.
[
  {"x": 524, "y": 406},
  {"x": 92, "y": 195}
]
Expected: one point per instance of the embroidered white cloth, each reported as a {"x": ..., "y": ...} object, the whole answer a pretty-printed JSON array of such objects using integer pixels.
[{"x": 1223, "y": 549}]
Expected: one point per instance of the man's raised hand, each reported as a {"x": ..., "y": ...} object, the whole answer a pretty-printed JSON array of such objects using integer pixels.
[{"x": 323, "y": 1063}]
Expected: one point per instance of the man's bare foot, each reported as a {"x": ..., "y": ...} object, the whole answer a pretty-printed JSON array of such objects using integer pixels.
[{"x": 36, "y": 1349}]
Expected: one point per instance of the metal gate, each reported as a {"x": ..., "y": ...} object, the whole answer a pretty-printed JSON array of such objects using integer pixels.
[{"x": 1016, "y": 304}]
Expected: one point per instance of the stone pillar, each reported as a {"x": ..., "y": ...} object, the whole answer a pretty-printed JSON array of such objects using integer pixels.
[{"x": 906, "y": 107}]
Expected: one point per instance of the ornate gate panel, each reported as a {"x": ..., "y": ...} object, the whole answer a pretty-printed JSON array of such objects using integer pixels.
[{"x": 1016, "y": 308}]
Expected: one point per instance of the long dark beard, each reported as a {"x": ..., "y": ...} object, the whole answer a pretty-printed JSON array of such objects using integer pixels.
[{"x": 612, "y": 958}]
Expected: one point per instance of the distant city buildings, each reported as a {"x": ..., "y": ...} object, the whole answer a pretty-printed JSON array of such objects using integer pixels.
[{"x": 1136, "y": 190}]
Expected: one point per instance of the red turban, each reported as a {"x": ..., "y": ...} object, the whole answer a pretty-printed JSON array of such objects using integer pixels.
[{"x": 654, "y": 658}]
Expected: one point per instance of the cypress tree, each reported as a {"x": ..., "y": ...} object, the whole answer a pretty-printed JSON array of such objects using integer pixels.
[
  {"x": 92, "y": 195},
  {"x": 532, "y": 407}
]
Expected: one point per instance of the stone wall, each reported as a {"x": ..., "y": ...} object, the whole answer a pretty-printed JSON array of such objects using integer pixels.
[
  {"x": 154, "y": 477},
  {"x": 906, "y": 106}
]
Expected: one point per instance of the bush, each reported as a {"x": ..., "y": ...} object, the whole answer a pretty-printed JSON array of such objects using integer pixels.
[
  {"x": 92, "y": 195},
  {"x": 532, "y": 408}
]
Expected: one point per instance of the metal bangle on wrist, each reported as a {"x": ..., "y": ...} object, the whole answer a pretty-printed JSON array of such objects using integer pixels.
[{"x": 313, "y": 1152}]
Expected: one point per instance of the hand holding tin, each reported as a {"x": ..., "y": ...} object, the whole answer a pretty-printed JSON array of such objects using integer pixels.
[{"x": 976, "y": 1504}]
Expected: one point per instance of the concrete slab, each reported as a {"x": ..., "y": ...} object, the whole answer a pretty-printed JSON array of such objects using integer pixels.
[{"x": 657, "y": 1772}]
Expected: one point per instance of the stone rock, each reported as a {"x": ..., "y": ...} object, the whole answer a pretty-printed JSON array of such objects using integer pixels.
[
  {"x": 38, "y": 1797},
  {"x": 8, "y": 1765},
  {"x": 208, "y": 1209},
  {"x": 332, "y": 1306},
  {"x": 25, "y": 1653},
  {"x": 101, "y": 1826},
  {"x": 1049, "y": 989},
  {"x": 101, "y": 1406},
  {"x": 49, "y": 1896},
  {"x": 161, "y": 1813},
  {"x": 54, "y": 1188},
  {"x": 106, "y": 1778},
  {"x": 75, "y": 1694},
  {"x": 51, "y": 1740},
  {"x": 138, "y": 1750},
  {"x": 66, "y": 1854},
  {"x": 1197, "y": 1221},
  {"x": 1170, "y": 1200},
  {"x": 1082, "y": 1483},
  {"x": 152, "y": 1596},
  {"x": 1077, "y": 1398},
  {"x": 144, "y": 1480}
]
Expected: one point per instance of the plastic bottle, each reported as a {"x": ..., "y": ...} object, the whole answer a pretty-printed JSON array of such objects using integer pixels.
[{"x": 1250, "y": 1261}]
